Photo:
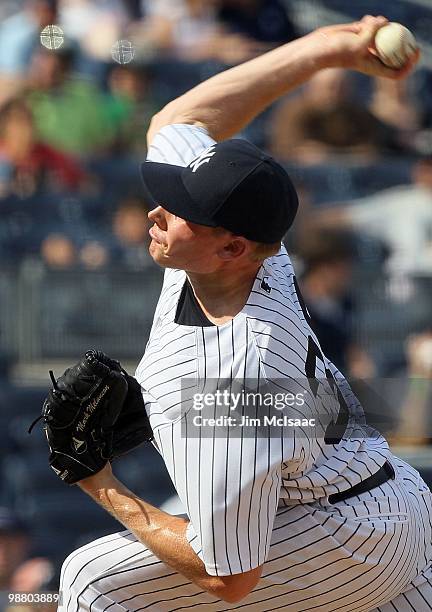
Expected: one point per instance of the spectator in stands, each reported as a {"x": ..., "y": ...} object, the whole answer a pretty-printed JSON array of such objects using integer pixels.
[
  {"x": 26, "y": 164},
  {"x": 61, "y": 251},
  {"x": 58, "y": 251},
  {"x": 19, "y": 35},
  {"x": 94, "y": 254},
  {"x": 400, "y": 216},
  {"x": 9, "y": 8},
  {"x": 324, "y": 120},
  {"x": 327, "y": 259},
  {"x": 392, "y": 103},
  {"x": 19, "y": 572},
  {"x": 71, "y": 113},
  {"x": 409, "y": 393},
  {"x": 421, "y": 91},
  {"x": 131, "y": 106},
  {"x": 266, "y": 21},
  {"x": 94, "y": 25},
  {"x": 415, "y": 417},
  {"x": 126, "y": 245},
  {"x": 130, "y": 230},
  {"x": 190, "y": 30}
]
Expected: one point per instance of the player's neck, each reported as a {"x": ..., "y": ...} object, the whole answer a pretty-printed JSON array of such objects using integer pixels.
[{"x": 222, "y": 296}]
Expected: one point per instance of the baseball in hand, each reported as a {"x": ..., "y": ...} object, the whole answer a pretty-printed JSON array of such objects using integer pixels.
[{"x": 395, "y": 44}]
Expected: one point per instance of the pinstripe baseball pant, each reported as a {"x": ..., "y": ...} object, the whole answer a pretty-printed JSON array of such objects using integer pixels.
[{"x": 372, "y": 552}]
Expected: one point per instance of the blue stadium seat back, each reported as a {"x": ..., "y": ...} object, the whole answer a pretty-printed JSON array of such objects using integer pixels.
[
  {"x": 19, "y": 227},
  {"x": 73, "y": 208},
  {"x": 362, "y": 88},
  {"x": 418, "y": 16},
  {"x": 53, "y": 543},
  {"x": 111, "y": 308},
  {"x": 144, "y": 472},
  {"x": 421, "y": 88},
  {"x": 387, "y": 173},
  {"x": 333, "y": 182},
  {"x": 172, "y": 78},
  {"x": 118, "y": 176},
  {"x": 371, "y": 252},
  {"x": 383, "y": 320},
  {"x": 68, "y": 508},
  {"x": 16, "y": 481},
  {"x": 18, "y": 432},
  {"x": 90, "y": 536},
  {"x": 22, "y": 400},
  {"x": 326, "y": 183},
  {"x": 75, "y": 216},
  {"x": 395, "y": 11},
  {"x": 31, "y": 470},
  {"x": 7, "y": 443}
]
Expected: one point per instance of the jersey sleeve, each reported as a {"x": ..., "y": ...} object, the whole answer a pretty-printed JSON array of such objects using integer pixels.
[
  {"x": 230, "y": 487},
  {"x": 179, "y": 144}
]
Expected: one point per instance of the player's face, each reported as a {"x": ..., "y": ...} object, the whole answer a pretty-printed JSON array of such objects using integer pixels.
[{"x": 183, "y": 245}]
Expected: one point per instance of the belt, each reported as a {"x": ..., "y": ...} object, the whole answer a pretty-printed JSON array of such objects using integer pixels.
[{"x": 386, "y": 472}]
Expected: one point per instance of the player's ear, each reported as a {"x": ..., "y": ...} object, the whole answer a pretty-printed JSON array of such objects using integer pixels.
[{"x": 233, "y": 249}]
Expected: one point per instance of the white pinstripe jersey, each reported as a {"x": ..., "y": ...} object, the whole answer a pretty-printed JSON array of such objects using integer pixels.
[{"x": 232, "y": 486}]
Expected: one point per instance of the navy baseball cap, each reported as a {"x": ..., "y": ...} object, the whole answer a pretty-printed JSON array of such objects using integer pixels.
[{"x": 231, "y": 184}]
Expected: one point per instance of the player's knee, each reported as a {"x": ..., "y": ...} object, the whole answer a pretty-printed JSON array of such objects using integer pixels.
[
  {"x": 73, "y": 568},
  {"x": 67, "y": 568},
  {"x": 75, "y": 578}
]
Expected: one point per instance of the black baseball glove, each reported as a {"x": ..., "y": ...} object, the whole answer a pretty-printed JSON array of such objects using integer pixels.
[
  {"x": 132, "y": 427},
  {"x": 93, "y": 413}
]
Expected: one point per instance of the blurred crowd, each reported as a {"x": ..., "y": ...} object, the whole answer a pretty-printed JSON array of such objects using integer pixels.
[
  {"x": 73, "y": 125},
  {"x": 74, "y": 110},
  {"x": 75, "y": 103},
  {"x": 19, "y": 569}
]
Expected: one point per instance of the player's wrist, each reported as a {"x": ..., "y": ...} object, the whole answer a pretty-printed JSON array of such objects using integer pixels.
[
  {"x": 322, "y": 53},
  {"x": 101, "y": 480},
  {"x": 308, "y": 54}
]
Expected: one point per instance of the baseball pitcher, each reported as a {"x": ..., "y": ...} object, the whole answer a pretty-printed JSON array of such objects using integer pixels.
[{"x": 301, "y": 508}]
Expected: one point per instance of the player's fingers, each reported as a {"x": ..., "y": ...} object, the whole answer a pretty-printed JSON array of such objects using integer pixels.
[
  {"x": 380, "y": 69},
  {"x": 373, "y": 18},
  {"x": 370, "y": 26},
  {"x": 409, "y": 66}
]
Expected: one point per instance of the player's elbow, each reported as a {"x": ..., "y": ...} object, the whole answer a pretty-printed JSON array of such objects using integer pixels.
[
  {"x": 233, "y": 594},
  {"x": 171, "y": 113},
  {"x": 233, "y": 589},
  {"x": 229, "y": 594},
  {"x": 156, "y": 124},
  {"x": 231, "y": 597}
]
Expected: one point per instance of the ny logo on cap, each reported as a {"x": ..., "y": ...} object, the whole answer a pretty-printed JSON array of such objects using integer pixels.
[{"x": 203, "y": 158}]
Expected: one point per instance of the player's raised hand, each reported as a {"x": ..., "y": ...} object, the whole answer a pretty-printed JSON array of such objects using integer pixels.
[{"x": 351, "y": 46}]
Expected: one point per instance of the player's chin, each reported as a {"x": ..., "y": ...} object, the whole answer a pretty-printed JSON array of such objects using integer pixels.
[
  {"x": 156, "y": 249},
  {"x": 159, "y": 256}
]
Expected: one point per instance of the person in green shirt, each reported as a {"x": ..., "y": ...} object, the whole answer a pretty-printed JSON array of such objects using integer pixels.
[{"x": 71, "y": 112}]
